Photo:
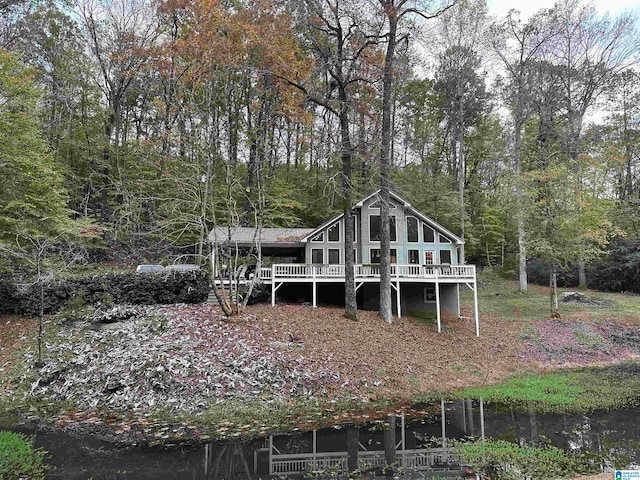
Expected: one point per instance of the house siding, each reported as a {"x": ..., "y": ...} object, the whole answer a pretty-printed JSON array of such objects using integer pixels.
[{"x": 364, "y": 245}]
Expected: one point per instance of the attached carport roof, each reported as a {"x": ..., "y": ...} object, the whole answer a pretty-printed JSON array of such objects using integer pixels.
[{"x": 268, "y": 237}]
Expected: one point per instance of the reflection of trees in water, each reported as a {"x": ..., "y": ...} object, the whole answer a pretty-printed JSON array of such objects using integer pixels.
[
  {"x": 613, "y": 434},
  {"x": 226, "y": 462}
]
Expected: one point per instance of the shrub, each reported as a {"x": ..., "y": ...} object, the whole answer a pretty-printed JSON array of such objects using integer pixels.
[
  {"x": 18, "y": 459},
  {"x": 621, "y": 271},
  {"x": 106, "y": 290},
  {"x": 8, "y": 295}
]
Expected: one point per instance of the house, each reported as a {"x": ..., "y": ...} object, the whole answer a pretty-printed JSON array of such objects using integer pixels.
[{"x": 425, "y": 272}]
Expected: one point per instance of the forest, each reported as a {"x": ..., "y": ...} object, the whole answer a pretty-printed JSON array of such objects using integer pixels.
[{"x": 130, "y": 128}]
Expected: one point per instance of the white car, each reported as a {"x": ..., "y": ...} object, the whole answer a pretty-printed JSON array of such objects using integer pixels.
[{"x": 149, "y": 268}]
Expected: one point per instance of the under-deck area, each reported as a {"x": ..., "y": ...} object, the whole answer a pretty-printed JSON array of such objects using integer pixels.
[{"x": 415, "y": 287}]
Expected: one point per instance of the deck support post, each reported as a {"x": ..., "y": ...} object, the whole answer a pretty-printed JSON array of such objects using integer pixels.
[
  {"x": 315, "y": 290},
  {"x": 438, "y": 305},
  {"x": 398, "y": 299},
  {"x": 214, "y": 271},
  {"x": 476, "y": 313},
  {"x": 273, "y": 285}
]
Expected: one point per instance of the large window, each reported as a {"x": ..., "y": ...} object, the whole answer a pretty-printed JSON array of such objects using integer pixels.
[
  {"x": 317, "y": 255},
  {"x": 412, "y": 230},
  {"x": 445, "y": 257},
  {"x": 375, "y": 255},
  {"x": 414, "y": 256},
  {"x": 374, "y": 228},
  {"x": 333, "y": 233},
  {"x": 334, "y": 256},
  {"x": 428, "y": 234}
]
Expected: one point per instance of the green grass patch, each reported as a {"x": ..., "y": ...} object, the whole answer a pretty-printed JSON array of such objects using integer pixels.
[
  {"x": 502, "y": 298},
  {"x": 583, "y": 390},
  {"x": 500, "y": 459},
  {"x": 18, "y": 458}
]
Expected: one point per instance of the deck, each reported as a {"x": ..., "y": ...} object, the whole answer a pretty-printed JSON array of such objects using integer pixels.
[
  {"x": 306, "y": 273},
  {"x": 282, "y": 273}
]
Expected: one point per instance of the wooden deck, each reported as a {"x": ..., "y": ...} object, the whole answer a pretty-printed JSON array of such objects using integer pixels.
[
  {"x": 280, "y": 274},
  {"x": 305, "y": 273}
]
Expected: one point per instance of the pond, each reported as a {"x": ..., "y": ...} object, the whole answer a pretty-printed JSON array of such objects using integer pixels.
[{"x": 418, "y": 443}]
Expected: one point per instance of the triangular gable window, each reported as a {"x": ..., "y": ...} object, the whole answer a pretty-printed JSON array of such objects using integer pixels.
[
  {"x": 376, "y": 204},
  {"x": 319, "y": 237},
  {"x": 444, "y": 239}
]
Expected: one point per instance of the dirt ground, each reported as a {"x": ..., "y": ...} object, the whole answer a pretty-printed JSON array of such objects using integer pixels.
[
  {"x": 410, "y": 355},
  {"x": 14, "y": 334}
]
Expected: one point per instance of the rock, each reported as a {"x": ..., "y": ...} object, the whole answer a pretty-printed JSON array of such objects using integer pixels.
[{"x": 573, "y": 297}]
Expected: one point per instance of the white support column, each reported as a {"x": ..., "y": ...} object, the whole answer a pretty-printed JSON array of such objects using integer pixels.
[
  {"x": 313, "y": 281},
  {"x": 438, "y": 305},
  {"x": 404, "y": 434},
  {"x": 476, "y": 313},
  {"x": 273, "y": 285}
]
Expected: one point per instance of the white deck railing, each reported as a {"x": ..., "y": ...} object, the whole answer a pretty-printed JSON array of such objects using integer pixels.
[
  {"x": 421, "y": 459},
  {"x": 299, "y": 271}
]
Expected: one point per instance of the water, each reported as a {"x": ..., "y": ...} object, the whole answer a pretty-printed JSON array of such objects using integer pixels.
[{"x": 78, "y": 457}]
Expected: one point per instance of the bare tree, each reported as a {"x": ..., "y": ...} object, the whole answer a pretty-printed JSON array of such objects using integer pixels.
[
  {"x": 394, "y": 11},
  {"x": 516, "y": 45},
  {"x": 590, "y": 50}
]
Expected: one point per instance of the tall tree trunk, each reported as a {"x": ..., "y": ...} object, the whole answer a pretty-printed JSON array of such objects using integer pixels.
[
  {"x": 522, "y": 249},
  {"x": 461, "y": 179},
  {"x": 385, "y": 150},
  {"x": 346, "y": 154}
]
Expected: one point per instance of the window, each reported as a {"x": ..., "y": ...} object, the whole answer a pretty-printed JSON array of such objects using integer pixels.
[
  {"x": 355, "y": 256},
  {"x": 412, "y": 229},
  {"x": 355, "y": 229},
  {"x": 414, "y": 256},
  {"x": 444, "y": 239},
  {"x": 374, "y": 228},
  {"x": 376, "y": 204},
  {"x": 333, "y": 234},
  {"x": 429, "y": 256},
  {"x": 375, "y": 255},
  {"x": 318, "y": 238},
  {"x": 430, "y": 294},
  {"x": 334, "y": 256},
  {"x": 445, "y": 257},
  {"x": 317, "y": 255},
  {"x": 428, "y": 234}
]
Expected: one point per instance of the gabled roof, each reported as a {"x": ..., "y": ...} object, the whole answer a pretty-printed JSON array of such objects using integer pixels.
[
  {"x": 436, "y": 226},
  {"x": 247, "y": 236}
]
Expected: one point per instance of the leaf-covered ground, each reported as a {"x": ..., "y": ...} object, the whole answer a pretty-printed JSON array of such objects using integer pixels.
[{"x": 185, "y": 359}]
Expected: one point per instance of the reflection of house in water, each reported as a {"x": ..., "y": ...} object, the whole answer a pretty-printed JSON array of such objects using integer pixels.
[{"x": 421, "y": 447}]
